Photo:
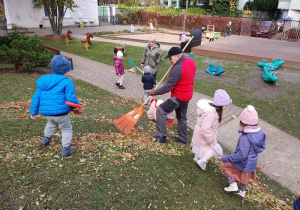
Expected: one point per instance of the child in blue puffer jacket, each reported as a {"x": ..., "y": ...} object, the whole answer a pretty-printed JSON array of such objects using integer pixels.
[
  {"x": 53, "y": 90},
  {"x": 241, "y": 165}
]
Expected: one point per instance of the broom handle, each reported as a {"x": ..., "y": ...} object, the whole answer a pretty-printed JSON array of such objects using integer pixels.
[
  {"x": 168, "y": 71},
  {"x": 139, "y": 69}
]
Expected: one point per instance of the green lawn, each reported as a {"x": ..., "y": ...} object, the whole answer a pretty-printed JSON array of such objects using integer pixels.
[
  {"x": 109, "y": 170},
  {"x": 278, "y": 104}
]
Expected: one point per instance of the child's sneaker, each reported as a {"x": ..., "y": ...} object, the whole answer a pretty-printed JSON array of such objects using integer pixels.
[
  {"x": 121, "y": 87},
  {"x": 202, "y": 164},
  {"x": 46, "y": 140},
  {"x": 67, "y": 151},
  {"x": 118, "y": 84}
]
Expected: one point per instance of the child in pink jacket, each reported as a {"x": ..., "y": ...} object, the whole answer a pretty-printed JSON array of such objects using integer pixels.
[
  {"x": 209, "y": 116},
  {"x": 151, "y": 113},
  {"x": 119, "y": 67}
]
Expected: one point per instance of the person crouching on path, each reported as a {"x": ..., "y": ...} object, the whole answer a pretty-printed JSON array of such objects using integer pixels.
[
  {"x": 119, "y": 67},
  {"x": 149, "y": 81},
  {"x": 241, "y": 165},
  {"x": 209, "y": 116},
  {"x": 181, "y": 84},
  {"x": 53, "y": 90}
]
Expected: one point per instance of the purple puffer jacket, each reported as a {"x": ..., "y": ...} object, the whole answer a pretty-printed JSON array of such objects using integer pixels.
[
  {"x": 251, "y": 142},
  {"x": 119, "y": 66}
]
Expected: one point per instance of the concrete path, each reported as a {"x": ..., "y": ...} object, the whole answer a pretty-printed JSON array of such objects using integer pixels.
[{"x": 281, "y": 158}]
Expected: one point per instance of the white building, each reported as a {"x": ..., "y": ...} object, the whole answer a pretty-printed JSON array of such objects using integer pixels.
[
  {"x": 290, "y": 8},
  {"x": 27, "y": 14}
]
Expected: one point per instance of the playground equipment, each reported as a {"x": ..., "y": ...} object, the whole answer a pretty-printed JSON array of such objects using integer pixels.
[
  {"x": 87, "y": 41},
  {"x": 268, "y": 75},
  {"x": 211, "y": 70},
  {"x": 67, "y": 37},
  {"x": 273, "y": 66}
]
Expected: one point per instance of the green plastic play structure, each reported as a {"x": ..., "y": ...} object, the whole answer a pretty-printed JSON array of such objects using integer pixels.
[
  {"x": 268, "y": 75},
  {"x": 211, "y": 70},
  {"x": 274, "y": 65}
]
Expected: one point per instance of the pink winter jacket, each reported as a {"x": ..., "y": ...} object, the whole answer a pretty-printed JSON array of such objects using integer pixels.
[
  {"x": 119, "y": 66},
  {"x": 151, "y": 113},
  {"x": 207, "y": 124}
]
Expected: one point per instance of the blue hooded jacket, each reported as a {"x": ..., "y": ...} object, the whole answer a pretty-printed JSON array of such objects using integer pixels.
[
  {"x": 52, "y": 93},
  {"x": 245, "y": 155}
]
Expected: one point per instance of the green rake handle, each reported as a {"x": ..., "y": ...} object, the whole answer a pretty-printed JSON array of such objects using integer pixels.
[{"x": 130, "y": 61}]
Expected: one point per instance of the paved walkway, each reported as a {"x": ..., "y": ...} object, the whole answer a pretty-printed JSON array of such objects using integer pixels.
[{"x": 280, "y": 159}]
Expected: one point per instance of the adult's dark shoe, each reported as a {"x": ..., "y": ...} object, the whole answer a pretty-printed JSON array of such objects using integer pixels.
[
  {"x": 178, "y": 140},
  {"x": 158, "y": 139}
]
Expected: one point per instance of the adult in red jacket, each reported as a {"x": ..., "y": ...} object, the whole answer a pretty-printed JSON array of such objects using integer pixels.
[{"x": 181, "y": 84}]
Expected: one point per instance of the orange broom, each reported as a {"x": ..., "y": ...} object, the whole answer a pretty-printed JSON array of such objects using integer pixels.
[{"x": 125, "y": 123}]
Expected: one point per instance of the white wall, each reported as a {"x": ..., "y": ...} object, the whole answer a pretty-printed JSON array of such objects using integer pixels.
[
  {"x": 23, "y": 13},
  {"x": 294, "y": 14},
  {"x": 241, "y": 4}
]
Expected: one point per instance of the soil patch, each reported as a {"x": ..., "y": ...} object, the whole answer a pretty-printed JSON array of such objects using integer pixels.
[{"x": 21, "y": 71}]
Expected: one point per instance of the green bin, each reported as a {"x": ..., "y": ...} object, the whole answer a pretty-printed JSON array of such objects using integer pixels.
[{"x": 81, "y": 25}]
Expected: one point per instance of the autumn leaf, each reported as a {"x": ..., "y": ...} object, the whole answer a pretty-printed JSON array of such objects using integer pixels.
[
  {"x": 128, "y": 155},
  {"x": 276, "y": 175},
  {"x": 269, "y": 161},
  {"x": 118, "y": 162},
  {"x": 233, "y": 116},
  {"x": 260, "y": 166}
]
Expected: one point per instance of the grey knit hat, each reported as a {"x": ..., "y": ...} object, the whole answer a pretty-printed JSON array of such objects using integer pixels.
[{"x": 147, "y": 70}]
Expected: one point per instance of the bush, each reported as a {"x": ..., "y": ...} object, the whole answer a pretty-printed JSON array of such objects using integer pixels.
[
  {"x": 196, "y": 11},
  {"x": 24, "y": 51}
]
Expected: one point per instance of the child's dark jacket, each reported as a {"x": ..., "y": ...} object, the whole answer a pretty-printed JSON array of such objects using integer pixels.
[{"x": 149, "y": 81}]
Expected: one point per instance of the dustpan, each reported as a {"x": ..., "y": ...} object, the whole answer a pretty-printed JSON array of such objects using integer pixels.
[{"x": 125, "y": 123}]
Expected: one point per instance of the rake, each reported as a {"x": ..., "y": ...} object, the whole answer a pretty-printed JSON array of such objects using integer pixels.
[
  {"x": 130, "y": 61},
  {"x": 125, "y": 123}
]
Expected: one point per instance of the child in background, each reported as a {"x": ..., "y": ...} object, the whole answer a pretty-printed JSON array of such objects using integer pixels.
[
  {"x": 241, "y": 165},
  {"x": 149, "y": 82},
  {"x": 119, "y": 67},
  {"x": 49, "y": 99},
  {"x": 209, "y": 116},
  {"x": 183, "y": 37},
  {"x": 153, "y": 107}
]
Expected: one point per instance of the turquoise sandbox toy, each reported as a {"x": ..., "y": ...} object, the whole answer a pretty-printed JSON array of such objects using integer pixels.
[
  {"x": 268, "y": 75},
  {"x": 213, "y": 71},
  {"x": 273, "y": 66}
]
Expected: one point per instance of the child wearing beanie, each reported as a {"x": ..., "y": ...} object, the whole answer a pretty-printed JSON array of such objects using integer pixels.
[
  {"x": 209, "y": 116},
  {"x": 53, "y": 90},
  {"x": 241, "y": 165},
  {"x": 119, "y": 67},
  {"x": 151, "y": 113},
  {"x": 149, "y": 81}
]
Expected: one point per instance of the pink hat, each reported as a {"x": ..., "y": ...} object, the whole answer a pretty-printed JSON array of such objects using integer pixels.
[
  {"x": 221, "y": 98},
  {"x": 249, "y": 116}
]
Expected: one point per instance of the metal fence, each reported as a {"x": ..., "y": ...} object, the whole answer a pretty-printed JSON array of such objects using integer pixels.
[{"x": 290, "y": 31}]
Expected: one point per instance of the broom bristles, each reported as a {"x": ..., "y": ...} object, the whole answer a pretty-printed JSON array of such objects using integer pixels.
[{"x": 125, "y": 123}]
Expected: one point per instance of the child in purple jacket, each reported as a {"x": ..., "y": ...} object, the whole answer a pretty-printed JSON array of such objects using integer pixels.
[
  {"x": 119, "y": 67},
  {"x": 241, "y": 165}
]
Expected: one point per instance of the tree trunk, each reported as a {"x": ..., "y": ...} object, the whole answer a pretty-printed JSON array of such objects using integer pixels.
[{"x": 3, "y": 22}]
